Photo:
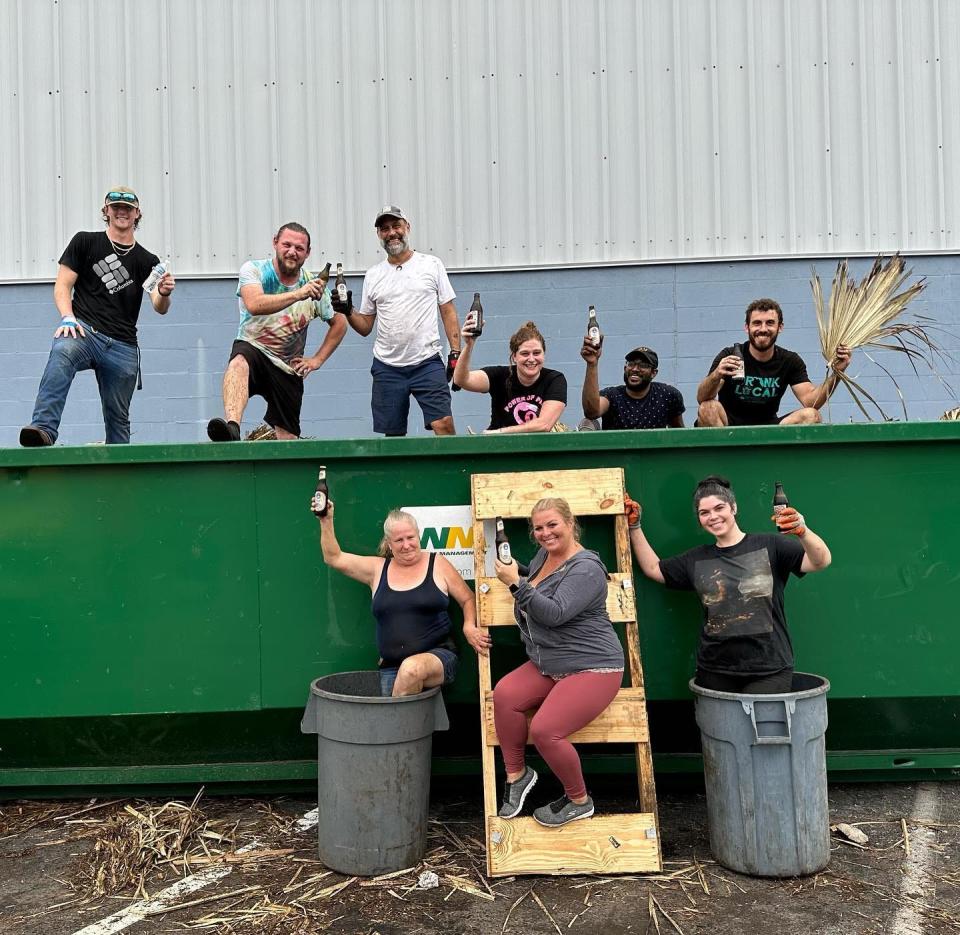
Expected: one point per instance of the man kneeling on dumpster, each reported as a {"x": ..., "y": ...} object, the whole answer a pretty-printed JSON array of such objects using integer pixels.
[{"x": 411, "y": 593}]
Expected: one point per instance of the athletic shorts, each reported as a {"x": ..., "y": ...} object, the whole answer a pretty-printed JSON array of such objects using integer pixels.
[
  {"x": 446, "y": 656},
  {"x": 283, "y": 391},
  {"x": 393, "y": 387}
]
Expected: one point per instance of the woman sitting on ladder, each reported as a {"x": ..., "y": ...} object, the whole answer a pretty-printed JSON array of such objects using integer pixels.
[{"x": 575, "y": 663}]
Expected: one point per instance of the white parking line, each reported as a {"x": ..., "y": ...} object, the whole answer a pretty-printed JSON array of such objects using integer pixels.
[
  {"x": 138, "y": 911},
  {"x": 918, "y": 884}
]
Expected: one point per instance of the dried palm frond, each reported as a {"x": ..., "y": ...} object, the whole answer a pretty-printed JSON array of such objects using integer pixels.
[
  {"x": 951, "y": 415},
  {"x": 864, "y": 315},
  {"x": 262, "y": 433}
]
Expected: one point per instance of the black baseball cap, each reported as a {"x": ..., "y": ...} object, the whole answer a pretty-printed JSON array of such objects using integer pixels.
[{"x": 645, "y": 354}]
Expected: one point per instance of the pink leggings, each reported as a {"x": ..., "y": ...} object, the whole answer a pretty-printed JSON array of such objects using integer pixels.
[{"x": 564, "y": 706}]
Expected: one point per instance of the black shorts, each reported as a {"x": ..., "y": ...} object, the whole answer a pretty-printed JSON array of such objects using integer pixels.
[{"x": 283, "y": 391}]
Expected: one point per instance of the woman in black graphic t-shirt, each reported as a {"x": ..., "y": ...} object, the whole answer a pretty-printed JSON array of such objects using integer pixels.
[
  {"x": 744, "y": 644},
  {"x": 524, "y": 397}
]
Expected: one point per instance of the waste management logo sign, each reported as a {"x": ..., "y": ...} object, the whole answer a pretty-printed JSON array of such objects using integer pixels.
[{"x": 449, "y": 531}]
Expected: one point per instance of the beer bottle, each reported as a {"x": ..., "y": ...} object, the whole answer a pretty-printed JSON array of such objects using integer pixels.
[
  {"x": 321, "y": 499},
  {"x": 780, "y": 501},
  {"x": 593, "y": 328},
  {"x": 503, "y": 544},
  {"x": 477, "y": 309},
  {"x": 738, "y": 353},
  {"x": 324, "y": 274},
  {"x": 341, "y": 284}
]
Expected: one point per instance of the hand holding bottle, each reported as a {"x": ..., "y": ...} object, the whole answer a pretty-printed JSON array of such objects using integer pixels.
[
  {"x": 790, "y": 522},
  {"x": 338, "y": 303}
]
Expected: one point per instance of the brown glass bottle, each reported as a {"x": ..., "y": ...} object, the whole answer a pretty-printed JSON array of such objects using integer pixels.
[
  {"x": 321, "y": 499},
  {"x": 341, "y": 285},
  {"x": 594, "y": 334},
  {"x": 780, "y": 501},
  {"x": 477, "y": 309},
  {"x": 503, "y": 544}
]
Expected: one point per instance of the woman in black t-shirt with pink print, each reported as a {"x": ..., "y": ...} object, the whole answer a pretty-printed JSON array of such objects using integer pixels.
[
  {"x": 524, "y": 397},
  {"x": 744, "y": 643}
]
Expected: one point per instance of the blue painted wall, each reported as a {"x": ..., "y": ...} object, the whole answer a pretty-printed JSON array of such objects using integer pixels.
[{"x": 686, "y": 312}]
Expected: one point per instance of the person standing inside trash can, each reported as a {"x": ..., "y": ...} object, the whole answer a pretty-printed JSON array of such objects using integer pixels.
[
  {"x": 574, "y": 667},
  {"x": 744, "y": 643},
  {"x": 411, "y": 592}
]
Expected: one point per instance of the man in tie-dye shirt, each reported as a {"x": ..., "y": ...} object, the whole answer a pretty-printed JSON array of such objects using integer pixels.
[{"x": 278, "y": 300}]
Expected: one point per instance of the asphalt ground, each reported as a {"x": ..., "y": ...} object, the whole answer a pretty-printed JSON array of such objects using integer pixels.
[{"x": 255, "y": 870}]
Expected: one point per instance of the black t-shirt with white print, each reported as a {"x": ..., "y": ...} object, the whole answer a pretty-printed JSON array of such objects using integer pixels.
[
  {"x": 512, "y": 403},
  {"x": 109, "y": 287},
  {"x": 741, "y": 591}
]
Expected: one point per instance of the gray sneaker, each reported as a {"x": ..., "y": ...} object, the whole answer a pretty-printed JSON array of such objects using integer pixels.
[
  {"x": 562, "y": 811},
  {"x": 515, "y": 794}
]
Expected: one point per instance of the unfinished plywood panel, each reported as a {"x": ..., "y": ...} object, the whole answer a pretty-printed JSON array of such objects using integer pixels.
[{"x": 605, "y": 843}]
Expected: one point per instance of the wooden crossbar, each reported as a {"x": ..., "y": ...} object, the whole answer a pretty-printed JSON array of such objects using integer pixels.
[
  {"x": 624, "y": 721},
  {"x": 623, "y": 843}
]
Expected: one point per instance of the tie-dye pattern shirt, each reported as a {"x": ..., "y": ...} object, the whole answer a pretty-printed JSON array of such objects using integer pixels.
[{"x": 282, "y": 335}]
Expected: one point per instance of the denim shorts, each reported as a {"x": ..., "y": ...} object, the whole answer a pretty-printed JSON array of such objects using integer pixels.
[
  {"x": 393, "y": 387},
  {"x": 446, "y": 656}
]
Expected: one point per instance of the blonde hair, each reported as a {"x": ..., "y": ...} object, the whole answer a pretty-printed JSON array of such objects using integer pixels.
[
  {"x": 394, "y": 518},
  {"x": 562, "y": 507}
]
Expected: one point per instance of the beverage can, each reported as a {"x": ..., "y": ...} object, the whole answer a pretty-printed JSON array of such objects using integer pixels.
[{"x": 156, "y": 274}]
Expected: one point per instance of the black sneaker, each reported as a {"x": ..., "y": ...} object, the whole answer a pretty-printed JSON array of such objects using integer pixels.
[
  {"x": 219, "y": 430},
  {"x": 32, "y": 437},
  {"x": 563, "y": 811},
  {"x": 515, "y": 794}
]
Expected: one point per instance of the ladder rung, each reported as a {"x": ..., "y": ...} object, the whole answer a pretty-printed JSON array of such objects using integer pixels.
[
  {"x": 495, "y": 603},
  {"x": 624, "y": 721},
  {"x": 591, "y": 492},
  {"x": 602, "y": 844}
]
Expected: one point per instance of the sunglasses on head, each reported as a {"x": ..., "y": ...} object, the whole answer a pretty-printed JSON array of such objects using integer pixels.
[{"x": 126, "y": 197}]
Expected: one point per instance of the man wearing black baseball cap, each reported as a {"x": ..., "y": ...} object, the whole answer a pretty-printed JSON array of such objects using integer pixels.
[
  {"x": 638, "y": 403},
  {"x": 99, "y": 288},
  {"x": 402, "y": 296}
]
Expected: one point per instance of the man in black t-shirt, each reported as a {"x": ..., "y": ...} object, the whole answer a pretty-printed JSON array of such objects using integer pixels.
[
  {"x": 98, "y": 292},
  {"x": 638, "y": 403},
  {"x": 746, "y": 382}
]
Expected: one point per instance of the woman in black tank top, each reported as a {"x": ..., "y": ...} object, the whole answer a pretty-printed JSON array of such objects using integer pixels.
[{"x": 411, "y": 592}]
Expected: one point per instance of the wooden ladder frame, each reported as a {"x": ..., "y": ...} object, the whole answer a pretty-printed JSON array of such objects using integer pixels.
[{"x": 618, "y": 843}]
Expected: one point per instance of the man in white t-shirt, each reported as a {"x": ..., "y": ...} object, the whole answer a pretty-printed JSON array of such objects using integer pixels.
[{"x": 402, "y": 294}]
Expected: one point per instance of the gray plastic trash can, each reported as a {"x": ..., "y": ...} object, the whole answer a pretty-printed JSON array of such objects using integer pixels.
[
  {"x": 765, "y": 770},
  {"x": 373, "y": 764}
]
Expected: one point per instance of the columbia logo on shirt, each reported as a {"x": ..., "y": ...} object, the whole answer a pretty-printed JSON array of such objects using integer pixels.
[{"x": 112, "y": 273}]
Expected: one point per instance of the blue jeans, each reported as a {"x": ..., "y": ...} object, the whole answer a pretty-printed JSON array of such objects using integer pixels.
[{"x": 116, "y": 365}]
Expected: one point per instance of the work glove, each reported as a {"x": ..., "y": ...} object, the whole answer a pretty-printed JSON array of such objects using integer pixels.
[
  {"x": 789, "y": 521},
  {"x": 344, "y": 308},
  {"x": 452, "y": 359},
  {"x": 633, "y": 511}
]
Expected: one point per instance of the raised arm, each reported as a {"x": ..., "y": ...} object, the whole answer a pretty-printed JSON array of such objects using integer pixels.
[
  {"x": 361, "y": 568},
  {"x": 476, "y": 381},
  {"x": 594, "y": 405},
  {"x": 647, "y": 559},
  {"x": 816, "y": 396},
  {"x": 816, "y": 554},
  {"x": 257, "y": 302},
  {"x": 711, "y": 383}
]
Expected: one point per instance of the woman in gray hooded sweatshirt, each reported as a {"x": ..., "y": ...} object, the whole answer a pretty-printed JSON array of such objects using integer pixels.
[{"x": 575, "y": 662}]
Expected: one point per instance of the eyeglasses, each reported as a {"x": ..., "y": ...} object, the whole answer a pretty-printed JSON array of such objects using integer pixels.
[
  {"x": 126, "y": 197},
  {"x": 636, "y": 365}
]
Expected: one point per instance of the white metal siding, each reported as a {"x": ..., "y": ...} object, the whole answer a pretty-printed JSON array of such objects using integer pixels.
[{"x": 513, "y": 132}]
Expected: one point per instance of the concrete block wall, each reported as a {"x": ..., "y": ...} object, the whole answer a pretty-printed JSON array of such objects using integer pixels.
[{"x": 686, "y": 312}]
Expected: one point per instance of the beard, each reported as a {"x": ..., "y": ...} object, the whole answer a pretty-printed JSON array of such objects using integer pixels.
[
  {"x": 395, "y": 247},
  {"x": 641, "y": 384},
  {"x": 288, "y": 267},
  {"x": 762, "y": 343}
]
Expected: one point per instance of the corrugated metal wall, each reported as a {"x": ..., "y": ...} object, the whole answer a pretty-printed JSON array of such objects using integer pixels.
[{"x": 514, "y": 132}]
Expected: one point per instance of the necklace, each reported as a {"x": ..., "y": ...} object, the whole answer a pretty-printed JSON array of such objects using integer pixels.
[{"x": 119, "y": 248}]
